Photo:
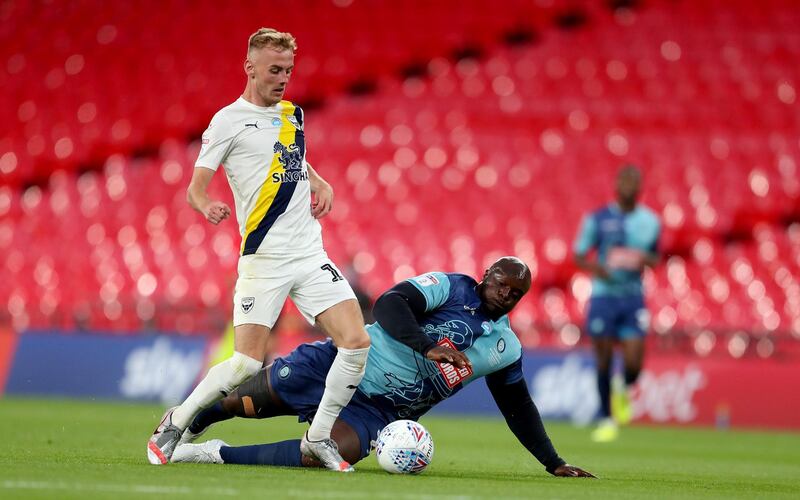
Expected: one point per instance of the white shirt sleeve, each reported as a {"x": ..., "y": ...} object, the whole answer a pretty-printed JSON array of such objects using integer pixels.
[{"x": 216, "y": 143}]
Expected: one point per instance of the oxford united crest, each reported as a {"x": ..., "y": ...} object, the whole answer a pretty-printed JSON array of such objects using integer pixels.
[{"x": 247, "y": 303}]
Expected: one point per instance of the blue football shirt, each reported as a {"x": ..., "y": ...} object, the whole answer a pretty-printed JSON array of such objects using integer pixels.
[
  {"x": 400, "y": 378},
  {"x": 610, "y": 228}
]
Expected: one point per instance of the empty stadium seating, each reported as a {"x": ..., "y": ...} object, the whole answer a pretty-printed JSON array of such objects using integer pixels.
[{"x": 464, "y": 160}]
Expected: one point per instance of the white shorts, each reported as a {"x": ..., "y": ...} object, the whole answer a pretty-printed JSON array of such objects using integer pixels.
[{"x": 313, "y": 282}]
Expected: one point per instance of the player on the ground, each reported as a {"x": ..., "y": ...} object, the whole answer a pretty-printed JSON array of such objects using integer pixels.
[
  {"x": 434, "y": 334},
  {"x": 625, "y": 236},
  {"x": 259, "y": 140}
]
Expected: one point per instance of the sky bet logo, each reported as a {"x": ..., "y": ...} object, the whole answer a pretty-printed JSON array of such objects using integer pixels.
[
  {"x": 452, "y": 375},
  {"x": 291, "y": 158}
]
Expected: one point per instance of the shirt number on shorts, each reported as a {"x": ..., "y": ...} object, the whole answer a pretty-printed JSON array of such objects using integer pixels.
[{"x": 333, "y": 271}]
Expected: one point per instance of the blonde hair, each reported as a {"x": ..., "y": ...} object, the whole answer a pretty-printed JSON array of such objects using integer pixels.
[{"x": 274, "y": 39}]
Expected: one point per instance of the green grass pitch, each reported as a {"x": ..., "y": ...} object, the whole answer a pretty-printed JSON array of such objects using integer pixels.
[{"x": 79, "y": 449}]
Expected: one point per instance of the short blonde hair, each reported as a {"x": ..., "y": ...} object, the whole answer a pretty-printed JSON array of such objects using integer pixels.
[{"x": 274, "y": 39}]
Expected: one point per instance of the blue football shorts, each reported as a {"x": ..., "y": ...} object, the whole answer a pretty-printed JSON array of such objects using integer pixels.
[
  {"x": 618, "y": 317},
  {"x": 299, "y": 380}
]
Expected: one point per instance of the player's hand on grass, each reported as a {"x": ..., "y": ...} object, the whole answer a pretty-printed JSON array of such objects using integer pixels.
[
  {"x": 322, "y": 203},
  {"x": 446, "y": 355},
  {"x": 568, "y": 470},
  {"x": 216, "y": 212}
]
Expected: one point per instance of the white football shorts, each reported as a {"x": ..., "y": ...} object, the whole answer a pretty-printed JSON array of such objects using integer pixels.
[{"x": 314, "y": 284}]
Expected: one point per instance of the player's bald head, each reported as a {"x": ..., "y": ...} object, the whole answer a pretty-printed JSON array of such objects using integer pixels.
[
  {"x": 513, "y": 267},
  {"x": 629, "y": 182},
  {"x": 504, "y": 284},
  {"x": 630, "y": 171}
]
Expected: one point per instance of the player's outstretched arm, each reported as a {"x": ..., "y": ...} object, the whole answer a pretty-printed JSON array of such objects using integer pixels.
[
  {"x": 197, "y": 197},
  {"x": 322, "y": 203},
  {"x": 510, "y": 392},
  {"x": 397, "y": 311},
  {"x": 584, "y": 243}
]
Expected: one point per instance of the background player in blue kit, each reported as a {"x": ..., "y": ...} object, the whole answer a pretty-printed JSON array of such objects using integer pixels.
[
  {"x": 434, "y": 334},
  {"x": 625, "y": 236}
]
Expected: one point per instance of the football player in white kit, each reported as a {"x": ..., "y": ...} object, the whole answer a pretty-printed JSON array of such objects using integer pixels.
[{"x": 259, "y": 140}]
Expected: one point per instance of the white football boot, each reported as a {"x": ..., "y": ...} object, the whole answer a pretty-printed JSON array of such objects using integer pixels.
[
  {"x": 200, "y": 453},
  {"x": 163, "y": 441},
  {"x": 327, "y": 452}
]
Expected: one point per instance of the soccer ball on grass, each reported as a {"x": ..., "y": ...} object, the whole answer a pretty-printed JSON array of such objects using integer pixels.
[{"x": 404, "y": 447}]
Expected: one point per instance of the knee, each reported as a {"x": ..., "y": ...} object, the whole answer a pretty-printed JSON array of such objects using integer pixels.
[
  {"x": 243, "y": 366},
  {"x": 357, "y": 339}
]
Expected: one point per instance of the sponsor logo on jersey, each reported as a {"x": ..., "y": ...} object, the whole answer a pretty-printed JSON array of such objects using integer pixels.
[
  {"x": 427, "y": 280},
  {"x": 494, "y": 357},
  {"x": 452, "y": 375},
  {"x": 284, "y": 372},
  {"x": 254, "y": 124},
  {"x": 247, "y": 304},
  {"x": 501, "y": 345},
  {"x": 292, "y": 160},
  {"x": 611, "y": 225}
]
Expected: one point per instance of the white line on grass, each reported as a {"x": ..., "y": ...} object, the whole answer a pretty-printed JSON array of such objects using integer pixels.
[
  {"x": 117, "y": 488},
  {"x": 188, "y": 490}
]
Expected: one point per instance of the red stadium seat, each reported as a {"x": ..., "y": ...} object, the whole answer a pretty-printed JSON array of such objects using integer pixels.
[{"x": 470, "y": 159}]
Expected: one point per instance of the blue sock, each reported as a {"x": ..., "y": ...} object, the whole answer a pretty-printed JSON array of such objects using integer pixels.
[
  {"x": 604, "y": 388},
  {"x": 210, "y": 415},
  {"x": 285, "y": 453}
]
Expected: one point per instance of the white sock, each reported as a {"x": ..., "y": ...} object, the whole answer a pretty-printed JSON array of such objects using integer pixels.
[
  {"x": 221, "y": 380},
  {"x": 344, "y": 376}
]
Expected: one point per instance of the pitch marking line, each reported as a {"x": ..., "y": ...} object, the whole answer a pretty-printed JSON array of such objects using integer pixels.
[
  {"x": 117, "y": 488},
  {"x": 187, "y": 490}
]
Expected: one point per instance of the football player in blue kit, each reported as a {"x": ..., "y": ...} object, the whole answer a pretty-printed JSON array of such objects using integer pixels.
[
  {"x": 434, "y": 334},
  {"x": 625, "y": 236}
]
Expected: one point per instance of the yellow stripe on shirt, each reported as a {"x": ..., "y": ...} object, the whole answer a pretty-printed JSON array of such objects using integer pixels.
[{"x": 269, "y": 189}]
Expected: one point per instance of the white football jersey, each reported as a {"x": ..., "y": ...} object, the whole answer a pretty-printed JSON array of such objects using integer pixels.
[{"x": 263, "y": 152}]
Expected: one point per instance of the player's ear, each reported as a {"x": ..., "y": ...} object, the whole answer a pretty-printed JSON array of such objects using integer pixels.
[{"x": 249, "y": 68}]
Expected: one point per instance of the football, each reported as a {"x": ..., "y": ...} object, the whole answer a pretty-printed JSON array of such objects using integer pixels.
[{"x": 404, "y": 447}]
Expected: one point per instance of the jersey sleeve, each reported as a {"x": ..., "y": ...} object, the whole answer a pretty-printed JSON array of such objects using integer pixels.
[
  {"x": 587, "y": 236},
  {"x": 511, "y": 374},
  {"x": 434, "y": 286},
  {"x": 513, "y": 398},
  {"x": 216, "y": 143}
]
